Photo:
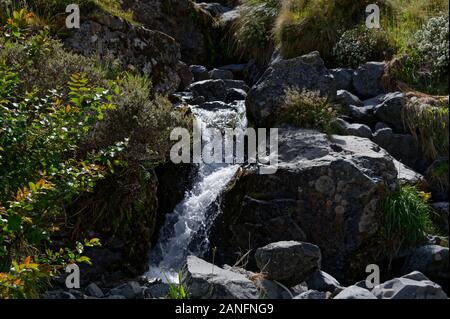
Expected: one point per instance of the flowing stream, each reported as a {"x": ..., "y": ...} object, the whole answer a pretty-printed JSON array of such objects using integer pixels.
[{"x": 185, "y": 229}]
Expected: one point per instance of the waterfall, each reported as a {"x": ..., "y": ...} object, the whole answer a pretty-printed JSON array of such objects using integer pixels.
[{"x": 185, "y": 230}]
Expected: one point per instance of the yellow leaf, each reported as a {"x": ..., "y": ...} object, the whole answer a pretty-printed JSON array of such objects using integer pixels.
[{"x": 27, "y": 261}]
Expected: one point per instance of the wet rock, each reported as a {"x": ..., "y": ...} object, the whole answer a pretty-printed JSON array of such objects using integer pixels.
[
  {"x": 203, "y": 280},
  {"x": 200, "y": 72},
  {"x": 235, "y": 95},
  {"x": 211, "y": 90},
  {"x": 221, "y": 74},
  {"x": 288, "y": 262}
]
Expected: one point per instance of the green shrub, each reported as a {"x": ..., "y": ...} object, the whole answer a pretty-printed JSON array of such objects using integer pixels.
[
  {"x": 407, "y": 218},
  {"x": 357, "y": 46},
  {"x": 306, "y": 109}
]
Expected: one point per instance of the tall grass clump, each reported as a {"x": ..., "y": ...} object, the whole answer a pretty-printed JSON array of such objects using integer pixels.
[
  {"x": 252, "y": 33},
  {"x": 306, "y": 109},
  {"x": 406, "y": 219}
]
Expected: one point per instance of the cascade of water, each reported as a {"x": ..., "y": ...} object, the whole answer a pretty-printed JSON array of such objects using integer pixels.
[{"x": 192, "y": 217}]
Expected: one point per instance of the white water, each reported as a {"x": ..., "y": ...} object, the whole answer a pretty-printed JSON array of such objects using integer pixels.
[{"x": 185, "y": 229}]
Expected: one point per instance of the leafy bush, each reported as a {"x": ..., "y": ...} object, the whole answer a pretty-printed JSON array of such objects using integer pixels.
[
  {"x": 66, "y": 137},
  {"x": 357, "y": 46},
  {"x": 306, "y": 109},
  {"x": 433, "y": 44},
  {"x": 407, "y": 218}
]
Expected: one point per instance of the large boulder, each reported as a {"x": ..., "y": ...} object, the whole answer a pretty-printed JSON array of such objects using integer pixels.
[
  {"x": 326, "y": 190},
  {"x": 150, "y": 52},
  {"x": 304, "y": 72},
  {"x": 203, "y": 280},
  {"x": 322, "y": 281},
  {"x": 415, "y": 286},
  {"x": 288, "y": 262}
]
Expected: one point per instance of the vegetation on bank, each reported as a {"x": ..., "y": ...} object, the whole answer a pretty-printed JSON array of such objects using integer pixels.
[
  {"x": 414, "y": 31},
  {"x": 68, "y": 124}
]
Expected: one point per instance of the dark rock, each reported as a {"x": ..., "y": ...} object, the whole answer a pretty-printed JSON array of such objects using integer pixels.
[
  {"x": 390, "y": 111},
  {"x": 93, "y": 290},
  {"x": 305, "y": 72},
  {"x": 130, "y": 290},
  {"x": 216, "y": 9},
  {"x": 185, "y": 75},
  {"x": 362, "y": 115},
  {"x": 403, "y": 147},
  {"x": 236, "y": 84},
  {"x": 431, "y": 260},
  {"x": 218, "y": 74},
  {"x": 288, "y": 262},
  {"x": 235, "y": 95},
  {"x": 367, "y": 79},
  {"x": 343, "y": 78},
  {"x": 322, "y": 281},
  {"x": 211, "y": 90},
  {"x": 200, "y": 73}
]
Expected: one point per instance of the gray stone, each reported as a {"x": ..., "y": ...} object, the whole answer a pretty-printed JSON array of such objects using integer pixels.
[
  {"x": 322, "y": 281},
  {"x": 431, "y": 260},
  {"x": 228, "y": 19},
  {"x": 93, "y": 290},
  {"x": 203, "y": 280},
  {"x": 355, "y": 292},
  {"x": 216, "y": 9},
  {"x": 116, "y": 297},
  {"x": 211, "y": 90},
  {"x": 390, "y": 111},
  {"x": 306, "y": 72},
  {"x": 221, "y": 74},
  {"x": 367, "y": 79},
  {"x": 288, "y": 262},
  {"x": 320, "y": 181},
  {"x": 360, "y": 130},
  {"x": 312, "y": 294},
  {"x": 200, "y": 72},
  {"x": 363, "y": 114},
  {"x": 158, "y": 290},
  {"x": 236, "y": 84},
  {"x": 380, "y": 126},
  {"x": 347, "y": 98},
  {"x": 406, "y": 288},
  {"x": 343, "y": 78}
]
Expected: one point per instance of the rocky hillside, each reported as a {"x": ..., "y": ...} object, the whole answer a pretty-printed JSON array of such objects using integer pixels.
[{"x": 362, "y": 173}]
